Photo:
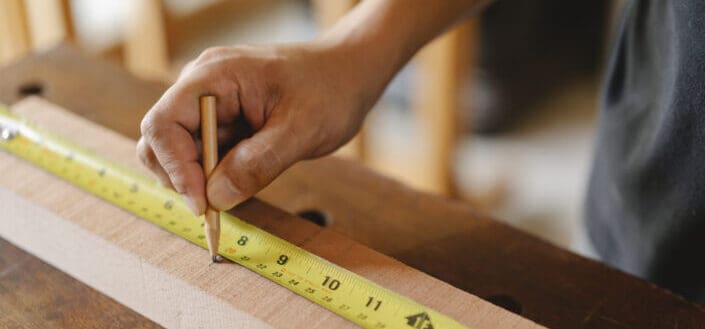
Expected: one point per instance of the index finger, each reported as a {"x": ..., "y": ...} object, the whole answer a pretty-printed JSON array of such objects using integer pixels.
[
  {"x": 169, "y": 126},
  {"x": 176, "y": 151}
]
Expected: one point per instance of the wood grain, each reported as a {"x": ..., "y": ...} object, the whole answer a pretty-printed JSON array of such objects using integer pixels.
[
  {"x": 97, "y": 90},
  {"x": 169, "y": 280},
  {"x": 51, "y": 299}
]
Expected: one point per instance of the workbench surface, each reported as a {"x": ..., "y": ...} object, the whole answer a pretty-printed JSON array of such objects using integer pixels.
[{"x": 442, "y": 237}]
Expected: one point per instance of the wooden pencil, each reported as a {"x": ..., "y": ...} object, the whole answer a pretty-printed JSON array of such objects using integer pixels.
[{"x": 209, "y": 139}]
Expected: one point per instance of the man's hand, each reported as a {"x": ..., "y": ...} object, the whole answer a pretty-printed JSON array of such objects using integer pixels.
[{"x": 300, "y": 100}]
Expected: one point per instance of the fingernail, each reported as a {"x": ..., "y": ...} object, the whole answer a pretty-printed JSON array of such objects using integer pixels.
[
  {"x": 222, "y": 194},
  {"x": 191, "y": 204}
]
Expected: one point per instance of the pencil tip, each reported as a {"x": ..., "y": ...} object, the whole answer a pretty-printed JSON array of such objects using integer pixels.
[{"x": 217, "y": 259}]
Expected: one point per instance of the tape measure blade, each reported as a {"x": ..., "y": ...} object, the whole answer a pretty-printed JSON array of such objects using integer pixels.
[{"x": 337, "y": 289}]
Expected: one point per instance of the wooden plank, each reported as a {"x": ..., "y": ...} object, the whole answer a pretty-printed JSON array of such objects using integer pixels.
[
  {"x": 51, "y": 299},
  {"x": 164, "y": 277}
]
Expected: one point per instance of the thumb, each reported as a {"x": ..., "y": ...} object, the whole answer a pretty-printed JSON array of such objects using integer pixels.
[{"x": 251, "y": 165}]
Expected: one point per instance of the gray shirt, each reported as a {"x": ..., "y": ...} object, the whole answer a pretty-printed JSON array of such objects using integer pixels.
[{"x": 645, "y": 207}]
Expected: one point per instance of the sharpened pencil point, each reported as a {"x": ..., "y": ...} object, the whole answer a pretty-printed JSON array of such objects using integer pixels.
[{"x": 217, "y": 259}]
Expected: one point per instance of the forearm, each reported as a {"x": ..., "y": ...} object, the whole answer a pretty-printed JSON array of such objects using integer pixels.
[{"x": 382, "y": 35}]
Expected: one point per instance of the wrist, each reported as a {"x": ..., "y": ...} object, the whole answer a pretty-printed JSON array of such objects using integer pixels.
[
  {"x": 358, "y": 70},
  {"x": 364, "y": 57}
]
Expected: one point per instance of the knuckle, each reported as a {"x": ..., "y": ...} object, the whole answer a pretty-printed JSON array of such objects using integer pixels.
[
  {"x": 247, "y": 162},
  {"x": 248, "y": 158},
  {"x": 153, "y": 126},
  {"x": 234, "y": 180},
  {"x": 187, "y": 69},
  {"x": 170, "y": 164},
  {"x": 143, "y": 152},
  {"x": 147, "y": 126},
  {"x": 223, "y": 86},
  {"x": 211, "y": 53},
  {"x": 173, "y": 170},
  {"x": 248, "y": 173}
]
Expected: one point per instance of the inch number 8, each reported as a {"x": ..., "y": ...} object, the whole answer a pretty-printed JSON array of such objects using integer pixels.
[{"x": 243, "y": 240}]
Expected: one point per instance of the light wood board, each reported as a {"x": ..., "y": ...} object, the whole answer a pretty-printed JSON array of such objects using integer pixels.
[{"x": 170, "y": 280}]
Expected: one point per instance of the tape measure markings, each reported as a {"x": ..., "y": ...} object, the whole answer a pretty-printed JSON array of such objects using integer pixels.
[{"x": 337, "y": 289}]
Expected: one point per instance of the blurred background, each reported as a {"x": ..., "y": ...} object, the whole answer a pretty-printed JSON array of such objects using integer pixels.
[{"x": 499, "y": 111}]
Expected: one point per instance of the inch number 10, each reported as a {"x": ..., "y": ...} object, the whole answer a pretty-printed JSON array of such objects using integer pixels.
[{"x": 331, "y": 283}]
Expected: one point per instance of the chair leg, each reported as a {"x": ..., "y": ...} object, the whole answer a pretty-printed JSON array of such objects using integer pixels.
[
  {"x": 146, "y": 51},
  {"x": 14, "y": 37},
  {"x": 49, "y": 22},
  {"x": 440, "y": 67}
]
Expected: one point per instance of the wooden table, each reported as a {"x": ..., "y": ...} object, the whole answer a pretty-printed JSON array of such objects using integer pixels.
[{"x": 439, "y": 236}]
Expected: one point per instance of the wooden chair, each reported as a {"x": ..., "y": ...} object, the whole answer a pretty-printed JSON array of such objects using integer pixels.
[{"x": 33, "y": 24}]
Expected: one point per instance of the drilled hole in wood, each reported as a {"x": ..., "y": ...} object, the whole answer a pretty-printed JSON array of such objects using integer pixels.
[
  {"x": 314, "y": 216},
  {"x": 32, "y": 88},
  {"x": 506, "y": 302}
]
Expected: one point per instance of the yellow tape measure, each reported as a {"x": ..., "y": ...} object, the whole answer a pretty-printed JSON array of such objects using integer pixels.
[{"x": 328, "y": 285}]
